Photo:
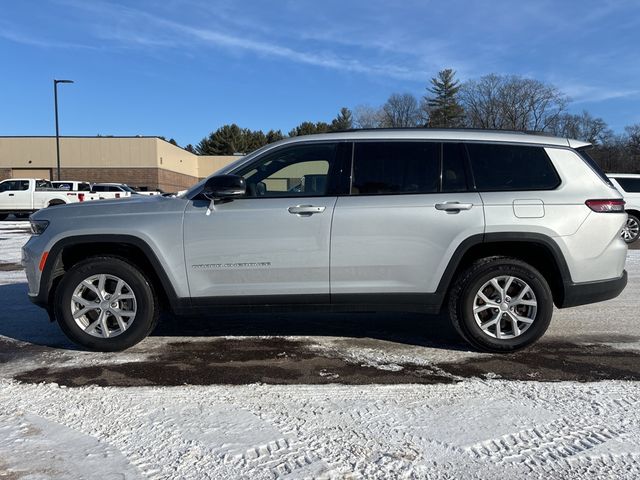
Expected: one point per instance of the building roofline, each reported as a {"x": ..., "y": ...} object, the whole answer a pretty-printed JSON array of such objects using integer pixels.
[{"x": 83, "y": 136}]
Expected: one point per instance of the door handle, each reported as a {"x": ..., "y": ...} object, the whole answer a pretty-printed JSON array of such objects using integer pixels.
[
  {"x": 453, "y": 206},
  {"x": 305, "y": 210},
  {"x": 11, "y": 194}
]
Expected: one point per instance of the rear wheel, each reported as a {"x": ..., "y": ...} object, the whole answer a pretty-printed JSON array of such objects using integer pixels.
[
  {"x": 631, "y": 229},
  {"x": 500, "y": 304},
  {"x": 106, "y": 304}
]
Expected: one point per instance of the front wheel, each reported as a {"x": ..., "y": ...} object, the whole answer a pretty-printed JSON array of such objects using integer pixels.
[
  {"x": 500, "y": 304},
  {"x": 631, "y": 229},
  {"x": 106, "y": 304}
]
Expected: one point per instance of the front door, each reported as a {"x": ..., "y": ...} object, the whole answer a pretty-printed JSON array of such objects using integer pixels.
[
  {"x": 15, "y": 194},
  {"x": 271, "y": 246}
]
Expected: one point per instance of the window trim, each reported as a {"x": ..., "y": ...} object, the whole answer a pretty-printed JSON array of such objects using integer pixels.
[{"x": 332, "y": 174}]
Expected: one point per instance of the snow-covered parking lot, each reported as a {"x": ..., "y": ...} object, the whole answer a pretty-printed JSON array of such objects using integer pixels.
[{"x": 318, "y": 396}]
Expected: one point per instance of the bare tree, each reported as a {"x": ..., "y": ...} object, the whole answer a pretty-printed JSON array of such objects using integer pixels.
[
  {"x": 401, "y": 110},
  {"x": 583, "y": 126},
  {"x": 633, "y": 138},
  {"x": 511, "y": 103},
  {"x": 366, "y": 116}
]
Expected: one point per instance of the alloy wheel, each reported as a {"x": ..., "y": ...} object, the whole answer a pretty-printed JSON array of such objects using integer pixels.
[
  {"x": 103, "y": 305},
  {"x": 505, "y": 307}
]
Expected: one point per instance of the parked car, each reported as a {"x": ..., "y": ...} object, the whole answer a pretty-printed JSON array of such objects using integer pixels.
[
  {"x": 23, "y": 196},
  {"x": 120, "y": 190},
  {"x": 497, "y": 227},
  {"x": 629, "y": 186}
]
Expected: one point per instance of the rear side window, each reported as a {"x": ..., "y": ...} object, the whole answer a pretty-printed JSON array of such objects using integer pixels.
[
  {"x": 381, "y": 168},
  {"x": 511, "y": 167},
  {"x": 630, "y": 185}
]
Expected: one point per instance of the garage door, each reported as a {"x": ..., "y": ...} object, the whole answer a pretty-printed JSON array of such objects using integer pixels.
[{"x": 31, "y": 173}]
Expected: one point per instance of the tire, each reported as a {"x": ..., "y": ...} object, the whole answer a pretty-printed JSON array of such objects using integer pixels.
[
  {"x": 507, "y": 333},
  {"x": 631, "y": 230},
  {"x": 127, "y": 320}
]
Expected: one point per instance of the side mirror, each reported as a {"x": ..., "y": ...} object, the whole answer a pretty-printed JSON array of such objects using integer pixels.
[{"x": 224, "y": 186}]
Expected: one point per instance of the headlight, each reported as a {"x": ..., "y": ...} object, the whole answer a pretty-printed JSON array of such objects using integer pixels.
[{"x": 38, "y": 226}]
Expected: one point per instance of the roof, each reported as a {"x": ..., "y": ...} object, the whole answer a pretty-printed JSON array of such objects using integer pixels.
[{"x": 443, "y": 134}]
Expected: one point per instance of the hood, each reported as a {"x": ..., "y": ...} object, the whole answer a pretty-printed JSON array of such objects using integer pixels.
[{"x": 122, "y": 206}]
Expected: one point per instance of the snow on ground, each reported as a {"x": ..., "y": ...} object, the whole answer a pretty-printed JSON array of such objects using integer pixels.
[
  {"x": 472, "y": 429},
  {"x": 475, "y": 429}
]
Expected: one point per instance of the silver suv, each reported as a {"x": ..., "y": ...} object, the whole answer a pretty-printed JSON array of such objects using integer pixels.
[{"x": 496, "y": 227}]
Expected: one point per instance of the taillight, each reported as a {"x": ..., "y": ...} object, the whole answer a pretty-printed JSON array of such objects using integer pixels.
[
  {"x": 81, "y": 197},
  {"x": 606, "y": 206}
]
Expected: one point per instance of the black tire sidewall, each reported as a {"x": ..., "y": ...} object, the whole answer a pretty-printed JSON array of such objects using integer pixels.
[
  {"x": 540, "y": 288},
  {"x": 145, "y": 304},
  {"x": 637, "y": 221}
]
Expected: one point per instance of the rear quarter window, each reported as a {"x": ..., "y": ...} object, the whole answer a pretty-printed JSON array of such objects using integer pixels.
[{"x": 499, "y": 167}]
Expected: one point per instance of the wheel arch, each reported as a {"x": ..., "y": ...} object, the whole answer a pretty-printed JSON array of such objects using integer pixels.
[
  {"x": 633, "y": 211},
  {"x": 538, "y": 250},
  {"x": 69, "y": 251}
]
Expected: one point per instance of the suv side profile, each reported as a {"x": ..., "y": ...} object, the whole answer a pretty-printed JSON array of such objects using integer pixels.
[
  {"x": 498, "y": 227},
  {"x": 629, "y": 185}
]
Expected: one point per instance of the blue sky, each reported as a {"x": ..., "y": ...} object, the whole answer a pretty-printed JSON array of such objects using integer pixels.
[{"x": 182, "y": 68}]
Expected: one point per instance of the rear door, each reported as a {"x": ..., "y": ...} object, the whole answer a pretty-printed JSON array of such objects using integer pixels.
[{"x": 408, "y": 210}]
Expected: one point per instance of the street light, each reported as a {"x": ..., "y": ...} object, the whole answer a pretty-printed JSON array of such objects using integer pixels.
[{"x": 55, "y": 99}]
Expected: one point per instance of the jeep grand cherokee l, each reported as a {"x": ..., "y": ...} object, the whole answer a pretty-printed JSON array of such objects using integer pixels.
[{"x": 495, "y": 227}]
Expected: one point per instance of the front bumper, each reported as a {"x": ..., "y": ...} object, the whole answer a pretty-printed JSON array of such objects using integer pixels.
[{"x": 591, "y": 292}]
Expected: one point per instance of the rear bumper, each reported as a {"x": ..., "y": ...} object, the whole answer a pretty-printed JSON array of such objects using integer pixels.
[{"x": 591, "y": 292}]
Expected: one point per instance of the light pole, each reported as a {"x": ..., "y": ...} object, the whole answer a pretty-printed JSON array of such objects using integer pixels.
[{"x": 55, "y": 100}]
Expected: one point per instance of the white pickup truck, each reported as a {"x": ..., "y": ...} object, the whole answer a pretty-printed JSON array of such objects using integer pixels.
[{"x": 23, "y": 196}]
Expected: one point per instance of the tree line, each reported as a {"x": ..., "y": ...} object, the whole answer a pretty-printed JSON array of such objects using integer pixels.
[{"x": 498, "y": 102}]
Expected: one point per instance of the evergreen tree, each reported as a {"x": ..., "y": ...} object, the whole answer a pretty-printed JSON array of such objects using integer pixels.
[
  {"x": 274, "y": 136},
  {"x": 442, "y": 105},
  {"x": 344, "y": 121},
  {"x": 309, "y": 128}
]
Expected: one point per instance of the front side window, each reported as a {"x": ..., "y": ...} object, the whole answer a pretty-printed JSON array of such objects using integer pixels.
[
  {"x": 630, "y": 185},
  {"x": 499, "y": 167},
  {"x": 14, "y": 185},
  {"x": 7, "y": 186},
  {"x": 300, "y": 170},
  {"x": 381, "y": 168}
]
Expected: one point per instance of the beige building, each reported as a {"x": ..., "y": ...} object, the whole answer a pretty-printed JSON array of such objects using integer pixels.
[{"x": 149, "y": 162}]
